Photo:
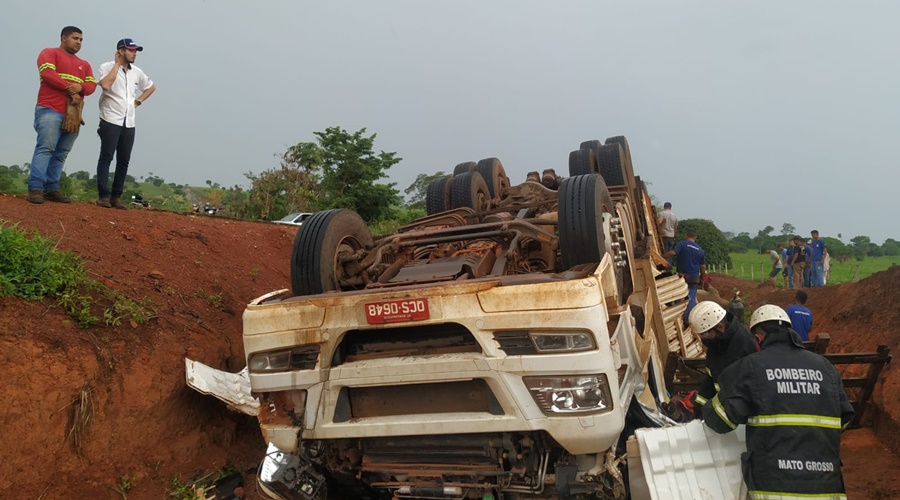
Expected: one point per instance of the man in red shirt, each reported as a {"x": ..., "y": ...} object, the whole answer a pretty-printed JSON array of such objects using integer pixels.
[{"x": 63, "y": 76}]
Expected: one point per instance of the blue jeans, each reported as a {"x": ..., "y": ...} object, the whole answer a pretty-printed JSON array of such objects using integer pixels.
[
  {"x": 807, "y": 274},
  {"x": 817, "y": 276},
  {"x": 53, "y": 145},
  {"x": 669, "y": 244},
  {"x": 693, "y": 281},
  {"x": 118, "y": 140},
  {"x": 790, "y": 275}
]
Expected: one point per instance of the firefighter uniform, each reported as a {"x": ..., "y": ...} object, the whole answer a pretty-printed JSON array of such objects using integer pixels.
[
  {"x": 795, "y": 407},
  {"x": 721, "y": 352}
]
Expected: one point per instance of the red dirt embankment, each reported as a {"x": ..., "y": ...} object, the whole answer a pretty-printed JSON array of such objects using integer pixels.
[{"x": 200, "y": 272}]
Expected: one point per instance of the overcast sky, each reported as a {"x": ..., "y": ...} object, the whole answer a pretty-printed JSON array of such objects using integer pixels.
[{"x": 746, "y": 113}]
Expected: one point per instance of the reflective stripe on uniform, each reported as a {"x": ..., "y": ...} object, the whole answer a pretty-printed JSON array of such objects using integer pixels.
[
  {"x": 720, "y": 411},
  {"x": 46, "y": 65},
  {"x": 795, "y": 420},
  {"x": 66, "y": 76},
  {"x": 775, "y": 495},
  {"x": 700, "y": 400},
  {"x": 716, "y": 384},
  {"x": 90, "y": 79}
]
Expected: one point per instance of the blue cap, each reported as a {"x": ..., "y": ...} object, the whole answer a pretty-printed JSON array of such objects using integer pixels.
[{"x": 128, "y": 43}]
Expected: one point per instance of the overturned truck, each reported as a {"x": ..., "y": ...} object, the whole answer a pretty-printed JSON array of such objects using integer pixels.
[{"x": 502, "y": 346}]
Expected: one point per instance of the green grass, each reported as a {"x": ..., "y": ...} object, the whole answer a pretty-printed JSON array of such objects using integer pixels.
[
  {"x": 841, "y": 272},
  {"x": 31, "y": 267}
]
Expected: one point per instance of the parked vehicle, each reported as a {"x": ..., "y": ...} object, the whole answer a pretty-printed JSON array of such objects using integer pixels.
[{"x": 294, "y": 219}]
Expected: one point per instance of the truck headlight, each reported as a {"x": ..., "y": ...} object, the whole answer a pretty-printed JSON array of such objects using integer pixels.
[
  {"x": 298, "y": 358},
  {"x": 578, "y": 394},
  {"x": 561, "y": 342}
]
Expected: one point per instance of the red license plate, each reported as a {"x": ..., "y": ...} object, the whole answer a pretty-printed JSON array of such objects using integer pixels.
[{"x": 395, "y": 311}]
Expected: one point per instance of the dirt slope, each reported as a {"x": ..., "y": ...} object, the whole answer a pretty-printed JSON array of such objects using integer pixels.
[{"x": 200, "y": 272}]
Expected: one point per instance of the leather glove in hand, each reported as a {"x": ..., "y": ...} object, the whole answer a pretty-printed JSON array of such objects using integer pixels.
[{"x": 73, "y": 122}]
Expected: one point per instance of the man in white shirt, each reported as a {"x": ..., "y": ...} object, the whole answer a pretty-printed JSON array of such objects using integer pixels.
[
  {"x": 668, "y": 226},
  {"x": 125, "y": 87}
]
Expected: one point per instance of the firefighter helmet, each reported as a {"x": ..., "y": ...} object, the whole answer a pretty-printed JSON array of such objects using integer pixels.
[
  {"x": 704, "y": 316},
  {"x": 769, "y": 312}
]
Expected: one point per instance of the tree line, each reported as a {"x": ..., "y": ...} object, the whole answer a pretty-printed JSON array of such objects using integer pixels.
[{"x": 340, "y": 169}]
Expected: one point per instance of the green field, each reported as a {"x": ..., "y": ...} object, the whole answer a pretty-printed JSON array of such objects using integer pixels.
[{"x": 840, "y": 272}]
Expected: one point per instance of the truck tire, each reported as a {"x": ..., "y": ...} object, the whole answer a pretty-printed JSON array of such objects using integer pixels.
[
  {"x": 320, "y": 242},
  {"x": 470, "y": 190},
  {"x": 592, "y": 144},
  {"x": 437, "y": 197},
  {"x": 612, "y": 165},
  {"x": 627, "y": 167},
  {"x": 582, "y": 162},
  {"x": 495, "y": 175},
  {"x": 582, "y": 201},
  {"x": 466, "y": 166}
]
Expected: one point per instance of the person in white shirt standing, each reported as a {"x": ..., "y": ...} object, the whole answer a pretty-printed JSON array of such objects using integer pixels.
[
  {"x": 668, "y": 227},
  {"x": 125, "y": 87}
]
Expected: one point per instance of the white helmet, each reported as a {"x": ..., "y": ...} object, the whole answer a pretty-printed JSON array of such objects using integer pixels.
[
  {"x": 705, "y": 315},
  {"x": 769, "y": 312}
]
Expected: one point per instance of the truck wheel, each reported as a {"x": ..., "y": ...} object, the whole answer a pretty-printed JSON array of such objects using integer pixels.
[
  {"x": 612, "y": 165},
  {"x": 470, "y": 190},
  {"x": 323, "y": 239},
  {"x": 495, "y": 175},
  {"x": 626, "y": 168},
  {"x": 593, "y": 144},
  {"x": 582, "y": 201},
  {"x": 582, "y": 162},
  {"x": 437, "y": 197},
  {"x": 466, "y": 166}
]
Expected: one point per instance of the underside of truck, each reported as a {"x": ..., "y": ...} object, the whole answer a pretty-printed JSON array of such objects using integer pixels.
[{"x": 503, "y": 346}]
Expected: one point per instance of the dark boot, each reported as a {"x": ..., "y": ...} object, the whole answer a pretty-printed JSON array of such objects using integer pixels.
[
  {"x": 57, "y": 197},
  {"x": 35, "y": 196},
  {"x": 115, "y": 202},
  {"x": 103, "y": 202}
]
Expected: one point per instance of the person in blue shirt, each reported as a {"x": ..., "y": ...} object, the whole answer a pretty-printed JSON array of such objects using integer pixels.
[
  {"x": 801, "y": 317},
  {"x": 691, "y": 262},
  {"x": 817, "y": 260}
]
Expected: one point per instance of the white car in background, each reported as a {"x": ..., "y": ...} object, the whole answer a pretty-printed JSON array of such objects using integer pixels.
[{"x": 294, "y": 219}]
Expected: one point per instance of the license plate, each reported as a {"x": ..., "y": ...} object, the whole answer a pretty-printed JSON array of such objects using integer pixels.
[{"x": 396, "y": 311}]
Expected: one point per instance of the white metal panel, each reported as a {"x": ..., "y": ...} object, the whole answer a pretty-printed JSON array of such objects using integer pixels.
[{"x": 692, "y": 462}]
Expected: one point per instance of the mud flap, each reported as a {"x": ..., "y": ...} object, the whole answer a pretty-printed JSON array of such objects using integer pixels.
[
  {"x": 284, "y": 476},
  {"x": 232, "y": 388}
]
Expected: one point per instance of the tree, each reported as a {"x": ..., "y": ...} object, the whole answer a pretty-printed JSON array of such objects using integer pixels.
[
  {"x": 890, "y": 247},
  {"x": 6, "y": 181},
  {"x": 81, "y": 175},
  {"x": 836, "y": 248},
  {"x": 710, "y": 238},
  {"x": 860, "y": 245},
  {"x": 419, "y": 188},
  {"x": 764, "y": 238},
  {"x": 349, "y": 171},
  {"x": 741, "y": 243},
  {"x": 788, "y": 229}
]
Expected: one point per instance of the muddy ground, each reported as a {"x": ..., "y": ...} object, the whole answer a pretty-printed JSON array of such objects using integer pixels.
[{"x": 147, "y": 427}]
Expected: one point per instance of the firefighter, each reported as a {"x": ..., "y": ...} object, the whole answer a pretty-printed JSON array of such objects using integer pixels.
[
  {"x": 795, "y": 408},
  {"x": 726, "y": 339}
]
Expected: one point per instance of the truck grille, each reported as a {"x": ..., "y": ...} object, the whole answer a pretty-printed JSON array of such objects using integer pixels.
[
  {"x": 448, "y": 338},
  {"x": 468, "y": 396}
]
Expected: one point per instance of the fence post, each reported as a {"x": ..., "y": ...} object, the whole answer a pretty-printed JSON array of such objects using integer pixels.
[
  {"x": 743, "y": 276},
  {"x": 752, "y": 276},
  {"x": 856, "y": 274}
]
